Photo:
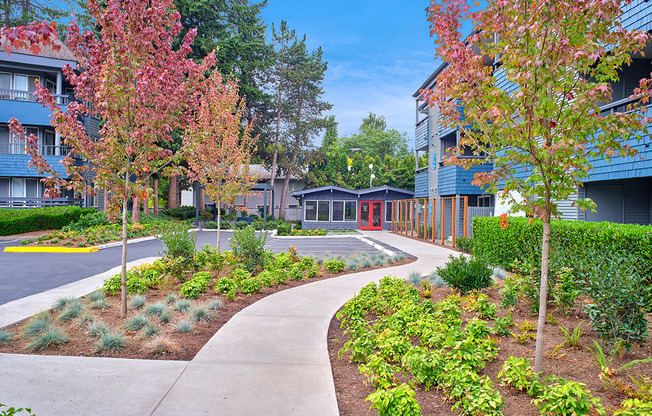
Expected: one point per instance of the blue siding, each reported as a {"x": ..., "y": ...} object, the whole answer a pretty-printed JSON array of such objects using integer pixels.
[
  {"x": 421, "y": 134},
  {"x": 421, "y": 185},
  {"x": 17, "y": 165},
  {"x": 454, "y": 180},
  {"x": 637, "y": 15},
  {"x": 28, "y": 113},
  {"x": 503, "y": 83}
]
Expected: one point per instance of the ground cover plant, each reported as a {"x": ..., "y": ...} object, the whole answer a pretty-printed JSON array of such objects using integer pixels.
[
  {"x": 392, "y": 344},
  {"x": 175, "y": 305},
  {"x": 94, "y": 228}
]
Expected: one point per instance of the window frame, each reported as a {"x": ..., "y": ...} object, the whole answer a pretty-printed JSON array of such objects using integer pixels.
[
  {"x": 317, "y": 203},
  {"x": 388, "y": 211},
  {"x": 305, "y": 211}
]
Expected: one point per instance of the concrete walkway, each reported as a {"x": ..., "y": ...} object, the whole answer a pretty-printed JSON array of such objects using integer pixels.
[{"x": 269, "y": 359}]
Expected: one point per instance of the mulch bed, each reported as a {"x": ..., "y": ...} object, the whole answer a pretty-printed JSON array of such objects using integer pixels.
[
  {"x": 572, "y": 364},
  {"x": 188, "y": 344}
]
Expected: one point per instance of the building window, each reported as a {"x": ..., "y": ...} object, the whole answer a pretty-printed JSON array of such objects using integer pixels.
[
  {"x": 311, "y": 211},
  {"x": 323, "y": 211},
  {"x": 484, "y": 201},
  {"x": 4, "y": 187},
  {"x": 31, "y": 188},
  {"x": 5, "y": 86},
  {"x": 345, "y": 211},
  {"x": 388, "y": 211}
]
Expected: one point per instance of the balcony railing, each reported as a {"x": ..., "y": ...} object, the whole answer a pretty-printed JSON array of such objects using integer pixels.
[
  {"x": 18, "y": 203},
  {"x": 44, "y": 149},
  {"x": 18, "y": 95}
]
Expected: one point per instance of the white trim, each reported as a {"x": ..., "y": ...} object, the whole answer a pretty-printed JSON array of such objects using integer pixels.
[
  {"x": 317, "y": 201},
  {"x": 344, "y": 202}
]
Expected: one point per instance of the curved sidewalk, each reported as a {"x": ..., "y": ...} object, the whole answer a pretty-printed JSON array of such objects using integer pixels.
[{"x": 269, "y": 359}]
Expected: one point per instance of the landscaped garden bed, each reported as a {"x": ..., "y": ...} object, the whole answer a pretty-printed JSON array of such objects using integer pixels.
[
  {"x": 175, "y": 304},
  {"x": 94, "y": 228},
  {"x": 426, "y": 349}
]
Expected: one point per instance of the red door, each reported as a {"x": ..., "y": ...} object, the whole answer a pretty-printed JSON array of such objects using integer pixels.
[{"x": 371, "y": 215}]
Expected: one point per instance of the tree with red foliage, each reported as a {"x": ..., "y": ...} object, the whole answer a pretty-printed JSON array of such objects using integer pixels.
[
  {"x": 138, "y": 85},
  {"x": 32, "y": 37},
  {"x": 218, "y": 145},
  {"x": 561, "y": 57}
]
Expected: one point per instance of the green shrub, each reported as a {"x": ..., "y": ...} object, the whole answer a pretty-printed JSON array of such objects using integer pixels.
[
  {"x": 258, "y": 225},
  {"x": 618, "y": 308},
  {"x": 572, "y": 243},
  {"x": 334, "y": 265},
  {"x": 179, "y": 242},
  {"x": 250, "y": 285},
  {"x": 181, "y": 213},
  {"x": 18, "y": 221},
  {"x": 464, "y": 244},
  {"x": 241, "y": 225},
  {"x": 225, "y": 225},
  {"x": 395, "y": 401},
  {"x": 284, "y": 229},
  {"x": 198, "y": 284},
  {"x": 466, "y": 275},
  {"x": 91, "y": 219},
  {"x": 249, "y": 248},
  {"x": 564, "y": 397},
  {"x": 211, "y": 225}
]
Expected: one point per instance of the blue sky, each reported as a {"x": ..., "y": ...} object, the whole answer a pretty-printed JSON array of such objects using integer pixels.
[{"x": 378, "y": 52}]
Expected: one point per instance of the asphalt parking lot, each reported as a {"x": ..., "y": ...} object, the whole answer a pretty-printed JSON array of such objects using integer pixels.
[{"x": 25, "y": 274}]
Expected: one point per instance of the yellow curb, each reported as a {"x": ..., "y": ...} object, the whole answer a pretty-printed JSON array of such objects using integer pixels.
[{"x": 49, "y": 250}]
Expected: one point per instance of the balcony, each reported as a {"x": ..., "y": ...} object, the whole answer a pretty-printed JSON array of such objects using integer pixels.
[
  {"x": 30, "y": 96},
  {"x": 421, "y": 134},
  {"x": 421, "y": 184},
  {"x": 454, "y": 180},
  {"x": 44, "y": 149}
]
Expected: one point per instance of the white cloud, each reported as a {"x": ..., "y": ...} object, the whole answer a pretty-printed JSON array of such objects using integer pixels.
[{"x": 384, "y": 88}]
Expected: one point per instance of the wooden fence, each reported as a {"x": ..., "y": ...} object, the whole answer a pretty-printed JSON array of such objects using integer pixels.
[{"x": 440, "y": 219}]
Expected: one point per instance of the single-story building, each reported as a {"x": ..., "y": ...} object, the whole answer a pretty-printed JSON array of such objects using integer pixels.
[{"x": 334, "y": 207}]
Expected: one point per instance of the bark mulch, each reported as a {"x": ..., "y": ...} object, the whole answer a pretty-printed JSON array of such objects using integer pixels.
[{"x": 572, "y": 364}]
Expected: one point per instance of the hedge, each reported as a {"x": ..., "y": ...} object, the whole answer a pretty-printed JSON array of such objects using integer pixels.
[
  {"x": 18, "y": 221},
  {"x": 572, "y": 243}
]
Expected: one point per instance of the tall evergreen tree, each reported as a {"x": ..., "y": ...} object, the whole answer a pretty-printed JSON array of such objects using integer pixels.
[
  {"x": 303, "y": 119},
  {"x": 21, "y": 12},
  {"x": 278, "y": 80}
]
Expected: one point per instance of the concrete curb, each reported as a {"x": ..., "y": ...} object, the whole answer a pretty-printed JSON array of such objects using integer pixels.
[
  {"x": 50, "y": 250},
  {"x": 376, "y": 246}
]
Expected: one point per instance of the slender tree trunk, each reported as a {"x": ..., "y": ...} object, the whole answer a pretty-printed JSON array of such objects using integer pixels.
[
  {"x": 146, "y": 201},
  {"x": 543, "y": 293},
  {"x": 201, "y": 200},
  {"x": 135, "y": 210},
  {"x": 123, "y": 269},
  {"x": 105, "y": 201},
  {"x": 284, "y": 191},
  {"x": 155, "y": 196},
  {"x": 173, "y": 191},
  {"x": 219, "y": 225}
]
